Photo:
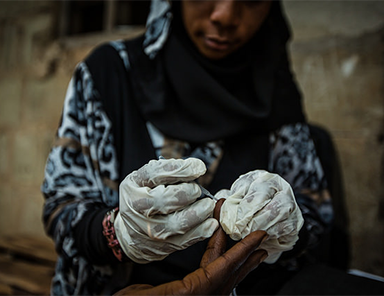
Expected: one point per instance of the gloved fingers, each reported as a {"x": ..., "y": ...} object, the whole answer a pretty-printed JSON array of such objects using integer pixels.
[
  {"x": 201, "y": 231},
  {"x": 146, "y": 239},
  {"x": 147, "y": 248},
  {"x": 241, "y": 185},
  {"x": 258, "y": 196},
  {"x": 257, "y": 188},
  {"x": 177, "y": 197},
  {"x": 250, "y": 181},
  {"x": 191, "y": 219},
  {"x": 277, "y": 217},
  {"x": 240, "y": 208},
  {"x": 269, "y": 204},
  {"x": 223, "y": 193},
  {"x": 160, "y": 199},
  {"x": 181, "y": 222},
  {"x": 217, "y": 243},
  {"x": 249, "y": 195},
  {"x": 266, "y": 186},
  {"x": 168, "y": 171}
]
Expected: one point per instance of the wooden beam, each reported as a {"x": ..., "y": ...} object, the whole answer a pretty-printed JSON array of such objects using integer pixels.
[
  {"x": 109, "y": 16},
  {"x": 29, "y": 247},
  {"x": 63, "y": 18},
  {"x": 23, "y": 276}
]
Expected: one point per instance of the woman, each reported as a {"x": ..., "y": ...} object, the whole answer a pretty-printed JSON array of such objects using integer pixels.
[{"x": 208, "y": 80}]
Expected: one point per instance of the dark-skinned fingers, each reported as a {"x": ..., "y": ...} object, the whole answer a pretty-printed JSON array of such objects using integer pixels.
[
  {"x": 228, "y": 285},
  {"x": 224, "y": 267},
  {"x": 250, "y": 264},
  {"x": 217, "y": 243},
  {"x": 238, "y": 275},
  {"x": 253, "y": 260},
  {"x": 216, "y": 247},
  {"x": 193, "y": 284},
  {"x": 230, "y": 263},
  {"x": 139, "y": 289},
  {"x": 216, "y": 211},
  {"x": 240, "y": 252}
]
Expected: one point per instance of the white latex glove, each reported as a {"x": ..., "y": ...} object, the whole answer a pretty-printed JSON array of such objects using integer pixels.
[
  {"x": 158, "y": 212},
  {"x": 260, "y": 200}
]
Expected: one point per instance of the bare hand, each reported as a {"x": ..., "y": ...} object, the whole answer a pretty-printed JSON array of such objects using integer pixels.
[{"x": 220, "y": 270}]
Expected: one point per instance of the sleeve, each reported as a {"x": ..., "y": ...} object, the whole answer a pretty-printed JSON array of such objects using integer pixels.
[
  {"x": 293, "y": 156},
  {"x": 80, "y": 182}
]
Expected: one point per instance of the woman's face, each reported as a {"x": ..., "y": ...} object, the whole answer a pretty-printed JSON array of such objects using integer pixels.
[{"x": 219, "y": 28}]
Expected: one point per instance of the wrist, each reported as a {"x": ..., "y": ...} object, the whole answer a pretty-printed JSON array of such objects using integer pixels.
[{"x": 110, "y": 234}]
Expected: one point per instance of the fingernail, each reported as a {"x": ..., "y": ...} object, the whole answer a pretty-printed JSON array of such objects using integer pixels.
[{"x": 264, "y": 238}]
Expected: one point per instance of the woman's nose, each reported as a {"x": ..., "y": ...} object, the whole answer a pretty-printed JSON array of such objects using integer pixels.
[{"x": 225, "y": 13}]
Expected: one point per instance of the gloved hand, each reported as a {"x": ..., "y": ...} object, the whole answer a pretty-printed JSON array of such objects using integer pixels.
[
  {"x": 260, "y": 200},
  {"x": 219, "y": 271},
  {"x": 158, "y": 211}
]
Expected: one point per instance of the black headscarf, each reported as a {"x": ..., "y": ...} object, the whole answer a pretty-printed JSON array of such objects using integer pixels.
[
  {"x": 267, "y": 95},
  {"x": 251, "y": 91}
]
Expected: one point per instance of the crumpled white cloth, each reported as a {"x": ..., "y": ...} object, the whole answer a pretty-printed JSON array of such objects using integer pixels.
[
  {"x": 260, "y": 200},
  {"x": 158, "y": 211}
]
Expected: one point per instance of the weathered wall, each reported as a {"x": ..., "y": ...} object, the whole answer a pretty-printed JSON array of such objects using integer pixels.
[
  {"x": 29, "y": 106},
  {"x": 35, "y": 69},
  {"x": 338, "y": 60}
]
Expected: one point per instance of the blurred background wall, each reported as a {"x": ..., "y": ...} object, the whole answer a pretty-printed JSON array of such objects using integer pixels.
[{"x": 337, "y": 56}]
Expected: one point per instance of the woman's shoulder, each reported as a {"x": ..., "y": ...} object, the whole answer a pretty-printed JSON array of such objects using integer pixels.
[{"x": 111, "y": 54}]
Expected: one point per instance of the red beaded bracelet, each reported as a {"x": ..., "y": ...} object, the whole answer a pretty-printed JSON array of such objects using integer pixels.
[{"x": 109, "y": 233}]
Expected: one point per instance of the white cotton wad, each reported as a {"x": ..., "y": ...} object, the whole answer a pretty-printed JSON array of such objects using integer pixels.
[{"x": 260, "y": 200}]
